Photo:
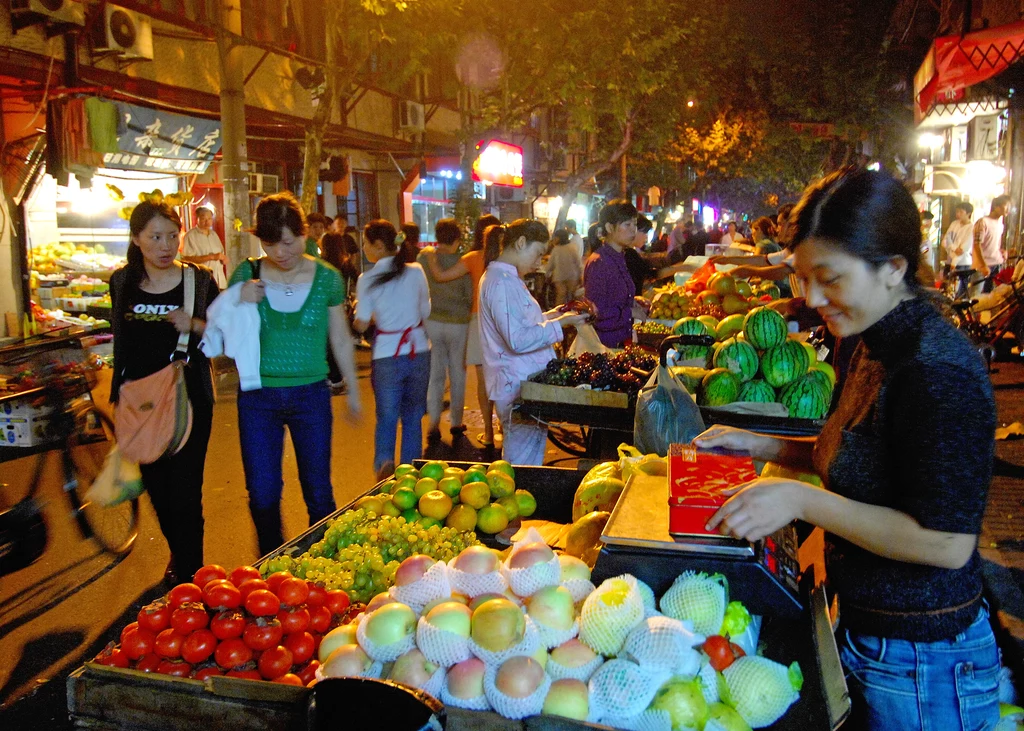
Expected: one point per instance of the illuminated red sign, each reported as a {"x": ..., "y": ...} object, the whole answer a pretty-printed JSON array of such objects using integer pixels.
[{"x": 499, "y": 163}]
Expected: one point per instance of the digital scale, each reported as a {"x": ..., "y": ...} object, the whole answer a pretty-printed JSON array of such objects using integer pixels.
[{"x": 764, "y": 575}]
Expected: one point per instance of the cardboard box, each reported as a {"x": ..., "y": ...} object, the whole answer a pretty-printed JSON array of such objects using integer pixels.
[
  {"x": 532, "y": 391},
  {"x": 22, "y": 431},
  {"x": 696, "y": 481}
]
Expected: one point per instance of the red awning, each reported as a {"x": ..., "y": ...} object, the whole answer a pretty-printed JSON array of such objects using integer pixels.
[{"x": 955, "y": 62}]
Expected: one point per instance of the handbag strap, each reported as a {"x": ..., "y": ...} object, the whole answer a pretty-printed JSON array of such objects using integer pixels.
[{"x": 189, "y": 305}]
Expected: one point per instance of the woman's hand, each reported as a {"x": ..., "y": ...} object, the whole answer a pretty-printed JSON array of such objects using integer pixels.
[
  {"x": 759, "y": 508},
  {"x": 254, "y": 291},
  {"x": 731, "y": 438},
  {"x": 181, "y": 320}
]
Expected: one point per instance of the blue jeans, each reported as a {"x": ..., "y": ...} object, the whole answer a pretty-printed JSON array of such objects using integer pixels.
[
  {"x": 262, "y": 416},
  {"x": 932, "y": 686},
  {"x": 400, "y": 392}
]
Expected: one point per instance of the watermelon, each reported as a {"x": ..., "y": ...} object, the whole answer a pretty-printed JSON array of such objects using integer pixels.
[
  {"x": 718, "y": 388},
  {"x": 757, "y": 391},
  {"x": 784, "y": 363},
  {"x": 729, "y": 327},
  {"x": 739, "y": 357},
  {"x": 805, "y": 399},
  {"x": 765, "y": 328},
  {"x": 689, "y": 326}
]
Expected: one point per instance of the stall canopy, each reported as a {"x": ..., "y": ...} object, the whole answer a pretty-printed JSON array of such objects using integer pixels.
[{"x": 955, "y": 62}]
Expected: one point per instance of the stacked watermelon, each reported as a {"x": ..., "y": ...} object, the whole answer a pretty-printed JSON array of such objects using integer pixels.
[{"x": 760, "y": 363}]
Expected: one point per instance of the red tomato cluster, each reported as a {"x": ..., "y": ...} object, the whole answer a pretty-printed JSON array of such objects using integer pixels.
[{"x": 235, "y": 624}]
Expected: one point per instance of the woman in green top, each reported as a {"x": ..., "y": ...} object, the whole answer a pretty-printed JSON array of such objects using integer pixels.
[{"x": 300, "y": 304}]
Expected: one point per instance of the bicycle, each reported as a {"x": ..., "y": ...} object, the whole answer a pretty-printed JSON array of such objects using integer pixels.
[{"x": 83, "y": 435}]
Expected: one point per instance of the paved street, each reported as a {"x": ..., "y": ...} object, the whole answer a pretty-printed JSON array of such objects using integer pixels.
[{"x": 64, "y": 608}]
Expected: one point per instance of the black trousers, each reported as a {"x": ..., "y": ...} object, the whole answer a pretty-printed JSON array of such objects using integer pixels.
[{"x": 175, "y": 487}]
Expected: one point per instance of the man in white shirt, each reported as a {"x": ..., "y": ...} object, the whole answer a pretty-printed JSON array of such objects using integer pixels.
[
  {"x": 958, "y": 245},
  {"x": 575, "y": 239},
  {"x": 203, "y": 246},
  {"x": 987, "y": 256}
]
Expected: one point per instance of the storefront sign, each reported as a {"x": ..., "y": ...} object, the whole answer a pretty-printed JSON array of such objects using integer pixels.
[
  {"x": 150, "y": 139},
  {"x": 499, "y": 163}
]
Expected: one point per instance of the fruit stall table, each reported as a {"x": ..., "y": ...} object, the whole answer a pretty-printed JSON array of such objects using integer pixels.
[{"x": 111, "y": 698}]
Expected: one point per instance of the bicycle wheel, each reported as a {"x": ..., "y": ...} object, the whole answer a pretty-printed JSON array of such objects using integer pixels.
[{"x": 114, "y": 528}]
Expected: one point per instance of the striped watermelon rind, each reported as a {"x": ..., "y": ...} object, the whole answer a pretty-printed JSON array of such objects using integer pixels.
[
  {"x": 757, "y": 391},
  {"x": 765, "y": 328},
  {"x": 805, "y": 399},
  {"x": 784, "y": 363},
  {"x": 719, "y": 387},
  {"x": 689, "y": 326},
  {"x": 739, "y": 357}
]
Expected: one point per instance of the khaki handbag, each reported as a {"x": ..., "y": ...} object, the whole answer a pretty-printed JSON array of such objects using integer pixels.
[{"x": 153, "y": 416}]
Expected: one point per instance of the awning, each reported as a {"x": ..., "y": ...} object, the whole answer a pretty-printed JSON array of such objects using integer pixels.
[{"x": 955, "y": 62}]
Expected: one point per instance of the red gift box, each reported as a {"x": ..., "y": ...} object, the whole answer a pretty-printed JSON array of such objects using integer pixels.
[{"x": 696, "y": 481}]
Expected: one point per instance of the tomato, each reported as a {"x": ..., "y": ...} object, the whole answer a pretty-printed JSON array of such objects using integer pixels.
[
  {"x": 275, "y": 579},
  {"x": 222, "y": 594},
  {"x": 113, "y": 656},
  {"x": 155, "y": 616},
  {"x": 128, "y": 628},
  {"x": 177, "y": 668},
  {"x": 183, "y": 593},
  {"x": 207, "y": 672},
  {"x": 293, "y": 592},
  {"x": 239, "y": 575},
  {"x": 209, "y": 573},
  {"x": 319, "y": 619},
  {"x": 251, "y": 585},
  {"x": 721, "y": 653},
  {"x": 189, "y": 617},
  {"x": 301, "y": 645},
  {"x": 275, "y": 662},
  {"x": 317, "y": 595},
  {"x": 198, "y": 646},
  {"x": 229, "y": 623},
  {"x": 262, "y": 634},
  {"x": 138, "y": 642},
  {"x": 168, "y": 644},
  {"x": 231, "y": 653},
  {"x": 262, "y": 603},
  {"x": 289, "y": 679},
  {"x": 149, "y": 663},
  {"x": 294, "y": 620},
  {"x": 337, "y": 601},
  {"x": 246, "y": 674},
  {"x": 307, "y": 673}
]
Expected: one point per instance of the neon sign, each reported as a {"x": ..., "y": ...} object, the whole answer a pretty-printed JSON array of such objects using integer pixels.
[{"x": 499, "y": 163}]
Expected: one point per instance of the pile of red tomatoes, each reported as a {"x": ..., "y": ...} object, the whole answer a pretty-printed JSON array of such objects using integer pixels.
[{"x": 235, "y": 624}]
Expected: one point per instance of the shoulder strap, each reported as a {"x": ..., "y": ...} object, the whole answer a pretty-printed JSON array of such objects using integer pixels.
[{"x": 189, "y": 305}]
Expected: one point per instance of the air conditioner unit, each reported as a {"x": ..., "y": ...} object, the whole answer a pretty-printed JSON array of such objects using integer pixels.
[
  {"x": 125, "y": 32},
  {"x": 411, "y": 116},
  {"x": 64, "y": 12},
  {"x": 263, "y": 184}
]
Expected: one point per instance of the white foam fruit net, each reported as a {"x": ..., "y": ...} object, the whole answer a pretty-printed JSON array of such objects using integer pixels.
[
  {"x": 383, "y": 653},
  {"x": 622, "y": 688},
  {"x": 551, "y": 637},
  {"x": 609, "y": 614},
  {"x": 663, "y": 643},
  {"x": 440, "y": 646},
  {"x": 514, "y": 708},
  {"x": 579, "y": 588},
  {"x": 480, "y": 703},
  {"x": 473, "y": 585},
  {"x": 580, "y": 672},
  {"x": 432, "y": 585},
  {"x": 526, "y": 647}
]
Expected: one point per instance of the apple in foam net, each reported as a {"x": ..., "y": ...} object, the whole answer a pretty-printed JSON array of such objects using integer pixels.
[
  {"x": 337, "y": 637},
  {"x": 476, "y": 560},
  {"x": 412, "y": 569},
  {"x": 552, "y": 606},
  {"x": 466, "y": 678},
  {"x": 572, "y": 654},
  {"x": 348, "y": 661},
  {"x": 530, "y": 555},
  {"x": 412, "y": 669},
  {"x": 390, "y": 624},
  {"x": 451, "y": 617},
  {"x": 568, "y": 698},
  {"x": 498, "y": 625},
  {"x": 573, "y": 568},
  {"x": 519, "y": 677}
]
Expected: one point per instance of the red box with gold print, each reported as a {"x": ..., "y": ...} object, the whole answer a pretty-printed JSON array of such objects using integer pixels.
[{"x": 696, "y": 481}]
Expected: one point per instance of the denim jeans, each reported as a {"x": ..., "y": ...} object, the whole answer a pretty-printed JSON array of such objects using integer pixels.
[
  {"x": 447, "y": 359},
  {"x": 950, "y": 685},
  {"x": 400, "y": 392},
  {"x": 262, "y": 416}
]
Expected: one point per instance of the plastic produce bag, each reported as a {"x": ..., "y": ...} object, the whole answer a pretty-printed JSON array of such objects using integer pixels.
[
  {"x": 665, "y": 414},
  {"x": 119, "y": 480}
]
